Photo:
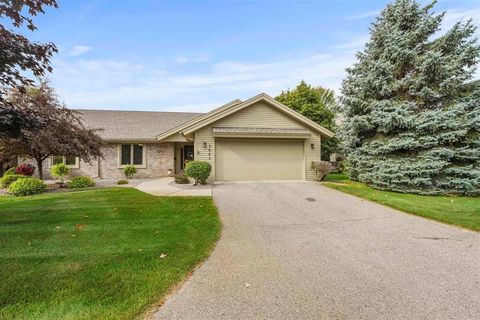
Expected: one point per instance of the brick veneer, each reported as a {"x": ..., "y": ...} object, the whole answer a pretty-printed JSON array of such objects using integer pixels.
[{"x": 160, "y": 158}]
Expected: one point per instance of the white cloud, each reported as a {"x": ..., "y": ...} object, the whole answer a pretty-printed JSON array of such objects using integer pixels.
[
  {"x": 454, "y": 15},
  {"x": 363, "y": 15},
  {"x": 181, "y": 59},
  {"x": 79, "y": 50},
  {"x": 121, "y": 84},
  {"x": 184, "y": 59},
  {"x": 356, "y": 43}
]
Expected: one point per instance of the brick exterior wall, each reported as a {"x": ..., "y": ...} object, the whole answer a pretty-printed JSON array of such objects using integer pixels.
[
  {"x": 159, "y": 158},
  {"x": 85, "y": 169}
]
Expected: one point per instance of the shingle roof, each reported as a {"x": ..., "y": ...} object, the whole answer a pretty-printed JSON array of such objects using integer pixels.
[{"x": 133, "y": 125}]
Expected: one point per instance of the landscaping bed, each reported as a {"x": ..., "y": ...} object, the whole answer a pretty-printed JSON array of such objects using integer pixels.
[
  {"x": 456, "y": 210},
  {"x": 98, "y": 253}
]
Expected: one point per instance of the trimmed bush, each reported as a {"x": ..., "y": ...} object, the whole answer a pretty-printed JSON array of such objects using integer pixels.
[
  {"x": 343, "y": 166},
  {"x": 198, "y": 171},
  {"x": 321, "y": 169},
  {"x": 25, "y": 169},
  {"x": 26, "y": 186},
  {"x": 9, "y": 172},
  {"x": 181, "y": 179},
  {"x": 7, "y": 180},
  {"x": 60, "y": 170},
  {"x": 80, "y": 182},
  {"x": 129, "y": 171},
  {"x": 122, "y": 181}
]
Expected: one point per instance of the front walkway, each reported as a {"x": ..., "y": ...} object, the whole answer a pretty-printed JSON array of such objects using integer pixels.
[
  {"x": 303, "y": 251},
  {"x": 168, "y": 187}
]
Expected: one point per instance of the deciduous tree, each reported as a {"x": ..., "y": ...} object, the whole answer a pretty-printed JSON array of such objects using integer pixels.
[
  {"x": 61, "y": 132},
  {"x": 7, "y": 156},
  {"x": 316, "y": 103},
  {"x": 17, "y": 55}
]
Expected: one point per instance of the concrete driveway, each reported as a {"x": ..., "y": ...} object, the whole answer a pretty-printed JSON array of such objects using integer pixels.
[{"x": 303, "y": 251}]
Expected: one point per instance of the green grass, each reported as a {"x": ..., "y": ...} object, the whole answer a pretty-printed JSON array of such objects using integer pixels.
[
  {"x": 95, "y": 254},
  {"x": 336, "y": 177},
  {"x": 456, "y": 210}
]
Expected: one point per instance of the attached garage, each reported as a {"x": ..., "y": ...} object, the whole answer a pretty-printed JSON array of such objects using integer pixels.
[
  {"x": 253, "y": 140},
  {"x": 258, "y": 159}
]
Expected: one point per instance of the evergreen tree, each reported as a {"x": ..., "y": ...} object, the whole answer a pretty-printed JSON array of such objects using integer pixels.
[
  {"x": 316, "y": 103},
  {"x": 411, "y": 109}
]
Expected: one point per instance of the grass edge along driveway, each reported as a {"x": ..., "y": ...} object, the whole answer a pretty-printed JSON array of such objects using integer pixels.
[
  {"x": 97, "y": 254},
  {"x": 455, "y": 210}
]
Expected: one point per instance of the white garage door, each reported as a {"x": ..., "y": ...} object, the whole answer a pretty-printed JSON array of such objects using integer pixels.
[{"x": 253, "y": 159}]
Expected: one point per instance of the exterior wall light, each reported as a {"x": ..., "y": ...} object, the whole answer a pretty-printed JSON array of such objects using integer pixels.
[
  {"x": 312, "y": 146},
  {"x": 204, "y": 144}
]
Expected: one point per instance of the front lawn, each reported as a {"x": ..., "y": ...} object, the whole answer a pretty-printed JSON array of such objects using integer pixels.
[
  {"x": 461, "y": 211},
  {"x": 98, "y": 254}
]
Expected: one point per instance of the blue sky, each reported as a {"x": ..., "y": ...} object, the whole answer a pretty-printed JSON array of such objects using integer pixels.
[{"x": 196, "y": 55}]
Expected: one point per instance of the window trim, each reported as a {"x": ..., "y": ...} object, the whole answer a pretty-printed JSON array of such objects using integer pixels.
[
  {"x": 71, "y": 166},
  {"x": 144, "y": 155}
]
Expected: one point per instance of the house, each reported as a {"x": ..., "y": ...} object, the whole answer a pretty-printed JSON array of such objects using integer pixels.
[{"x": 256, "y": 139}]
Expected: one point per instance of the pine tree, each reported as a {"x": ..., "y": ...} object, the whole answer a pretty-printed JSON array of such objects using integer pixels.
[{"x": 411, "y": 109}]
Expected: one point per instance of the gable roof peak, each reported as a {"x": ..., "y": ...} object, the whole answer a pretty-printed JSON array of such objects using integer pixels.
[{"x": 237, "y": 105}]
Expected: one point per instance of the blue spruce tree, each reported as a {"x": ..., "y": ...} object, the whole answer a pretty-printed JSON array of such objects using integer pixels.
[{"x": 411, "y": 107}]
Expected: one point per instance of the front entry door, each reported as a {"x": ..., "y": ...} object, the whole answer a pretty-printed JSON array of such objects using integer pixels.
[{"x": 187, "y": 155}]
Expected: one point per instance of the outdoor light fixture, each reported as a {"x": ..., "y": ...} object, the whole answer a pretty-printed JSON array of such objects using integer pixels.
[
  {"x": 204, "y": 144},
  {"x": 312, "y": 146}
]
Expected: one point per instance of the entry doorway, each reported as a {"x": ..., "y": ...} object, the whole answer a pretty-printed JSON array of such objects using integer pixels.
[
  {"x": 184, "y": 152},
  {"x": 187, "y": 155}
]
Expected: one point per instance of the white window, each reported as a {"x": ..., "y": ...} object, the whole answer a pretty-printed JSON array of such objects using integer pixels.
[
  {"x": 70, "y": 161},
  {"x": 132, "y": 154}
]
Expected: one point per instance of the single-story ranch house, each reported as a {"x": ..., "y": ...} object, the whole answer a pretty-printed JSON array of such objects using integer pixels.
[{"x": 256, "y": 139}]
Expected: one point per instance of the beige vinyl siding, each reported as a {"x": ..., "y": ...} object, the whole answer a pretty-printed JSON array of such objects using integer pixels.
[
  {"x": 259, "y": 115},
  {"x": 205, "y": 154},
  {"x": 312, "y": 154}
]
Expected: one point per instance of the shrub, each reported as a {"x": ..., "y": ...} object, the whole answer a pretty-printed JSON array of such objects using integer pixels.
[
  {"x": 7, "y": 180},
  {"x": 343, "y": 166},
  {"x": 9, "y": 172},
  {"x": 321, "y": 168},
  {"x": 60, "y": 170},
  {"x": 27, "y": 186},
  {"x": 129, "y": 171},
  {"x": 80, "y": 182},
  {"x": 198, "y": 171},
  {"x": 122, "y": 181},
  {"x": 25, "y": 169},
  {"x": 181, "y": 179}
]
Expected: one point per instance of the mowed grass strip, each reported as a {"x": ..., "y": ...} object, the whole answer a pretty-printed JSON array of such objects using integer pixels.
[
  {"x": 456, "y": 210},
  {"x": 95, "y": 254}
]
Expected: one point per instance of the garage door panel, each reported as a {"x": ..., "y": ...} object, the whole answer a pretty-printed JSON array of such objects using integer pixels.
[{"x": 259, "y": 160}]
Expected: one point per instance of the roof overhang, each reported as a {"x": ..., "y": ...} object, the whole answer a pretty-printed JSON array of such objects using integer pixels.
[
  {"x": 242, "y": 132},
  {"x": 133, "y": 140},
  {"x": 235, "y": 106}
]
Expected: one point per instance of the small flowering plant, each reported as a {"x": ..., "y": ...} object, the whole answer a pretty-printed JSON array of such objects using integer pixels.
[{"x": 25, "y": 169}]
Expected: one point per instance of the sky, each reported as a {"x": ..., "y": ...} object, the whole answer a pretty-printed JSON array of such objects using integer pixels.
[{"x": 192, "y": 55}]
